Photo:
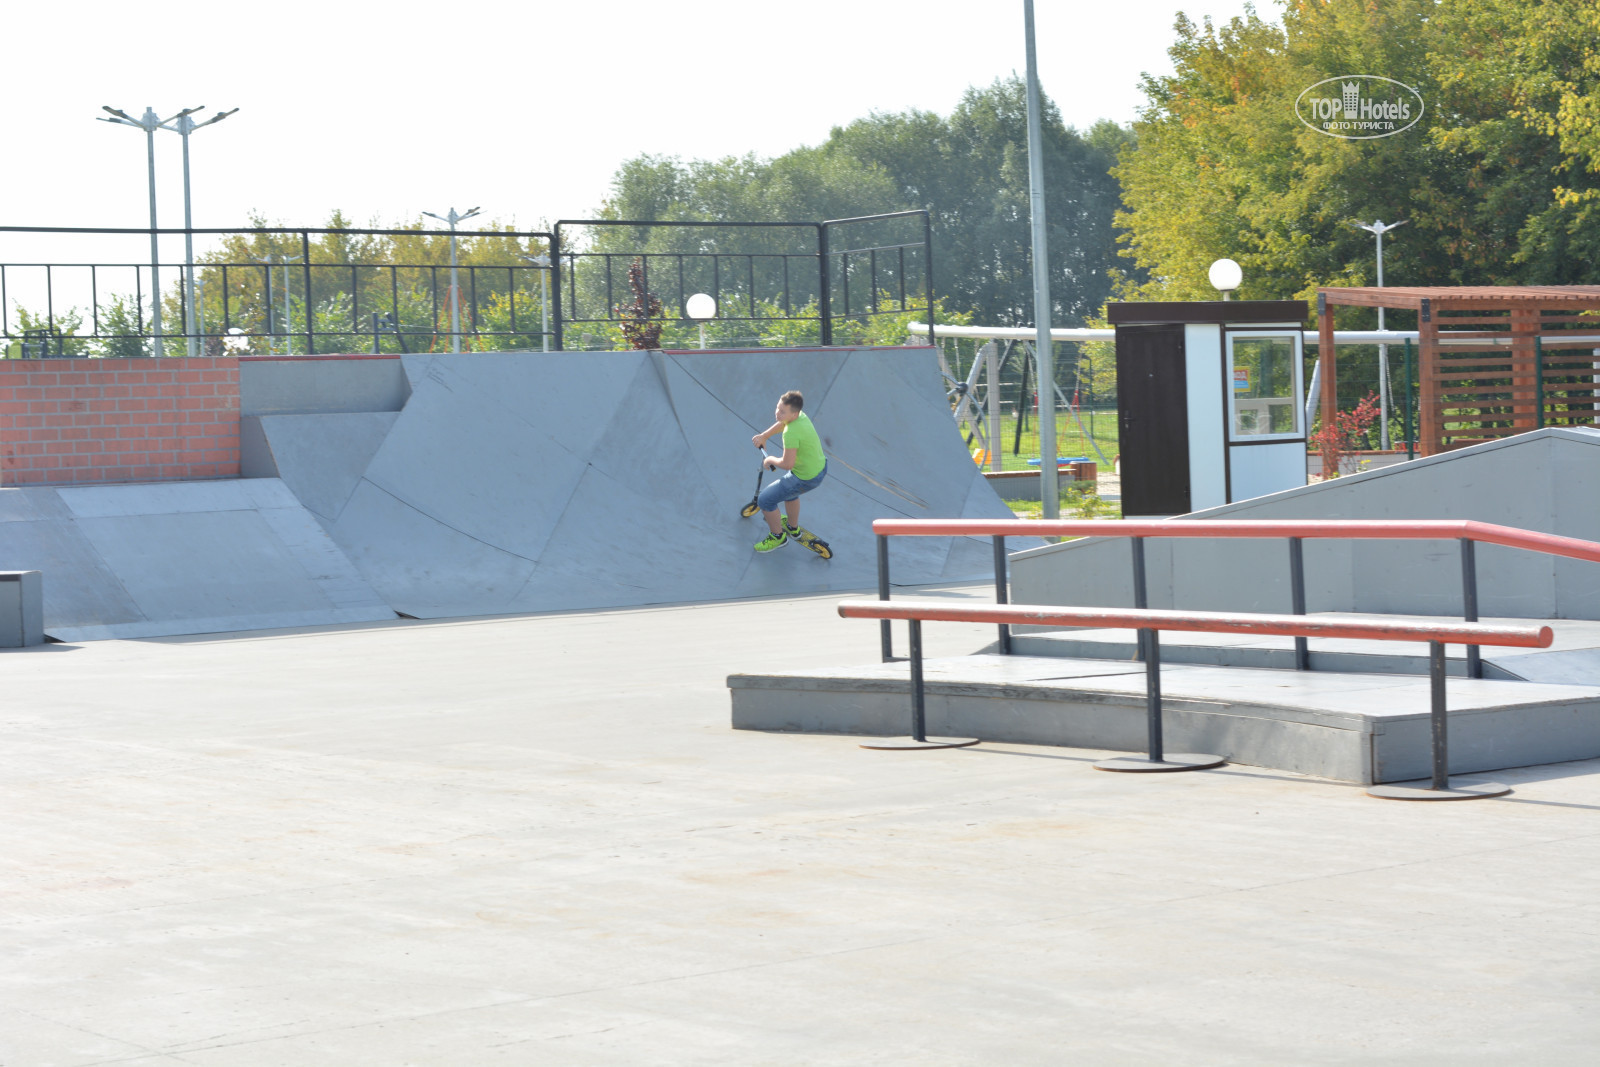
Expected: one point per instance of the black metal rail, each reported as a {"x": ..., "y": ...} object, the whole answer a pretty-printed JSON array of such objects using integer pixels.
[{"x": 311, "y": 298}]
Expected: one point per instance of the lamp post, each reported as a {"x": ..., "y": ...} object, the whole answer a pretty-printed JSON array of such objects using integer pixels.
[
  {"x": 544, "y": 298},
  {"x": 1049, "y": 483},
  {"x": 455, "y": 292},
  {"x": 183, "y": 126},
  {"x": 149, "y": 122},
  {"x": 288, "y": 319},
  {"x": 1378, "y": 228},
  {"x": 701, "y": 307}
]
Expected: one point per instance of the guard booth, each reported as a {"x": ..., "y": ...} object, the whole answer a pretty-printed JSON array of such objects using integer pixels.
[{"x": 1210, "y": 402}]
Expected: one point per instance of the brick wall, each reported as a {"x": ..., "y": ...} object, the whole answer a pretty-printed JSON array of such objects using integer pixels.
[{"x": 77, "y": 421}]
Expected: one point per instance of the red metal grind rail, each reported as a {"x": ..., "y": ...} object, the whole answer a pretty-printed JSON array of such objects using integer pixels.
[
  {"x": 1151, "y": 622},
  {"x": 1466, "y": 532}
]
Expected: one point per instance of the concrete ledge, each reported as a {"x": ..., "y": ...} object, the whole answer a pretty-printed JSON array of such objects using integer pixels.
[
  {"x": 21, "y": 609},
  {"x": 1350, "y": 727}
]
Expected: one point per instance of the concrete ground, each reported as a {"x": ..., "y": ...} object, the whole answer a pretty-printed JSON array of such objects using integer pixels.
[{"x": 536, "y": 840}]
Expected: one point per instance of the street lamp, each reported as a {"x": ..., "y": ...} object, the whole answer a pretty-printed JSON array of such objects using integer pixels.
[
  {"x": 149, "y": 122},
  {"x": 1378, "y": 228},
  {"x": 455, "y": 292},
  {"x": 183, "y": 128},
  {"x": 701, "y": 307},
  {"x": 1225, "y": 275},
  {"x": 288, "y": 319},
  {"x": 544, "y": 297}
]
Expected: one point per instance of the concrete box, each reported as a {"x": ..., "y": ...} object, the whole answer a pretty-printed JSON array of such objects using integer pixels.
[{"x": 21, "y": 609}]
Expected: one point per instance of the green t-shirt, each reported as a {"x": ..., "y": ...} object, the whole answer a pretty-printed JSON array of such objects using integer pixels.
[{"x": 801, "y": 436}]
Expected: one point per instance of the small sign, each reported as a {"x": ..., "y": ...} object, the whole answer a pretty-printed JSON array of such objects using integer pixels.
[{"x": 1241, "y": 379}]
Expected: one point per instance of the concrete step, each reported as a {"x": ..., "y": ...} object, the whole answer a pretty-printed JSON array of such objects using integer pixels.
[{"x": 1357, "y": 727}]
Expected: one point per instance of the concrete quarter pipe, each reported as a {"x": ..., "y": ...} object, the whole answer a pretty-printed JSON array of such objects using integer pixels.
[{"x": 524, "y": 482}]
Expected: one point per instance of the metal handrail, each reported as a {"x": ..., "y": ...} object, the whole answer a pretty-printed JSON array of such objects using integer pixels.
[
  {"x": 1467, "y": 532},
  {"x": 1150, "y": 623}
]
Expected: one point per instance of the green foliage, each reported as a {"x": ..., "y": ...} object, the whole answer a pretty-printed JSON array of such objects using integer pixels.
[
  {"x": 353, "y": 276},
  {"x": 120, "y": 329},
  {"x": 63, "y": 328},
  {"x": 969, "y": 169},
  {"x": 1498, "y": 180}
]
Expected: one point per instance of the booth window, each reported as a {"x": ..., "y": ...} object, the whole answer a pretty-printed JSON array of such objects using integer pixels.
[{"x": 1265, "y": 385}]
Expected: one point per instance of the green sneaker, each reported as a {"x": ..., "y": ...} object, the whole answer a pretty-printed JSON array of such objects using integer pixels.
[
  {"x": 790, "y": 528},
  {"x": 772, "y": 541}
]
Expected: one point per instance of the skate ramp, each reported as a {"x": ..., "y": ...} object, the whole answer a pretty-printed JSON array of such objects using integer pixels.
[
  {"x": 1547, "y": 480},
  {"x": 152, "y": 560},
  {"x": 525, "y": 482}
]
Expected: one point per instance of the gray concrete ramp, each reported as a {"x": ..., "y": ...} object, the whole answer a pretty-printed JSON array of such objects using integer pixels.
[
  {"x": 1547, "y": 480},
  {"x": 521, "y": 482},
  {"x": 158, "y": 559}
]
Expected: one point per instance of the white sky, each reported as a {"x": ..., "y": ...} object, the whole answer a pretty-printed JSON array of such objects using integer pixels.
[{"x": 523, "y": 108}]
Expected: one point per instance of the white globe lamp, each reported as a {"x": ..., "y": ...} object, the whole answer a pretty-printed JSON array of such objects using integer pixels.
[
  {"x": 1225, "y": 276},
  {"x": 701, "y": 307}
]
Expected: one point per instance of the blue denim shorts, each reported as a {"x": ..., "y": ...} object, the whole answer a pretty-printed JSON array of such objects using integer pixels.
[{"x": 788, "y": 488}]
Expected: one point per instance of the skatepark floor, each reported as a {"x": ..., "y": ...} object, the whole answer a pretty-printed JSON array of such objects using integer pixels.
[{"x": 536, "y": 840}]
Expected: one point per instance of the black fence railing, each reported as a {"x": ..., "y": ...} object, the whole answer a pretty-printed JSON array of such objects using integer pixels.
[
  {"x": 304, "y": 291},
  {"x": 812, "y": 288}
]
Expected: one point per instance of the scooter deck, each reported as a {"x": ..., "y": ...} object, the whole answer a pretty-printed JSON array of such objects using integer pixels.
[{"x": 813, "y": 542}]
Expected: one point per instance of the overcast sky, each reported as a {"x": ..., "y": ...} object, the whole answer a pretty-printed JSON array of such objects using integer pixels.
[{"x": 524, "y": 109}]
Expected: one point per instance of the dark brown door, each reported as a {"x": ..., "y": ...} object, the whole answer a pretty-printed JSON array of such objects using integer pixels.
[{"x": 1153, "y": 417}]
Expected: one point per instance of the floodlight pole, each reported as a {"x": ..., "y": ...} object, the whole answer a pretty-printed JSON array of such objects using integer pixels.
[
  {"x": 149, "y": 122},
  {"x": 544, "y": 298},
  {"x": 1049, "y": 486},
  {"x": 1378, "y": 228},
  {"x": 185, "y": 126},
  {"x": 455, "y": 292}
]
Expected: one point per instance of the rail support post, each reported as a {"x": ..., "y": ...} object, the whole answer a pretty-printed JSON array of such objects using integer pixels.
[
  {"x": 1297, "y": 597},
  {"x": 1469, "y": 601},
  {"x": 919, "y": 738},
  {"x": 1157, "y": 758},
  {"x": 885, "y": 635},
  {"x": 1141, "y": 597},
  {"x": 1000, "y": 594},
  {"x": 1438, "y": 787}
]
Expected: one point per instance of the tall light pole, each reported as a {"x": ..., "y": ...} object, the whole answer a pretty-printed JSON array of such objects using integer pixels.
[
  {"x": 455, "y": 292},
  {"x": 288, "y": 320},
  {"x": 183, "y": 126},
  {"x": 544, "y": 298},
  {"x": 1378, "y": 228},
  {"x": 149, "y": 122},
  {"x": 1049, "y": 486}
]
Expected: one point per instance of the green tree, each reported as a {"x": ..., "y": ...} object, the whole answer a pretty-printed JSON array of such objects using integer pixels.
[
  {"x": 62, "y": 329},
  {"x": 969, "y": 170},
  {"x": 1497, "y": 180},
  {"x": 120, "y": 330}
]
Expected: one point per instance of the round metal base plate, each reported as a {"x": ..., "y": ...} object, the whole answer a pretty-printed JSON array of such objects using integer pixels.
[
  {"x": 1175, "y": 761},
  {"x": 1460, "y": 789},
  {"x": 898, "y": 744}
]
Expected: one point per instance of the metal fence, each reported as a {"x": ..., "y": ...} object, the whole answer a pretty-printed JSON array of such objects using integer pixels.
[{"x": 301, "y": 291}]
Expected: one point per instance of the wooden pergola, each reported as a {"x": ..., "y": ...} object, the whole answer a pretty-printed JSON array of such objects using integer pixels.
[{"x": 1492, "y": 360}]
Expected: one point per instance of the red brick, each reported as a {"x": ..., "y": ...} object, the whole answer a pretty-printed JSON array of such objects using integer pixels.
[{"x": 43, "y": 407}]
